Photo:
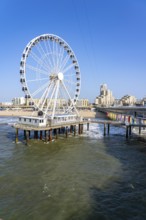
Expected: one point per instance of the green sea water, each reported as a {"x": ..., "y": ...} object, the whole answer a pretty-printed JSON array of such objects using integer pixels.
[{"x": 81, "y": 178}]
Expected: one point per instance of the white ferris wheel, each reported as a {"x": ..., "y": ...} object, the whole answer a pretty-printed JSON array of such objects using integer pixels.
[{"x": 50, "y": 75}]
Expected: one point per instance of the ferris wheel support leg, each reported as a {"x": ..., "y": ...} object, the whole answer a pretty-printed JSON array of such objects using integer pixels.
[
  {"x": 70, "y": 98},
  {"x": 50, "y": 100},
  {"x": 56, "y": 95}
]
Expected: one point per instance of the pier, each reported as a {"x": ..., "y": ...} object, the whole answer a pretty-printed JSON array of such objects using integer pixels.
[{"x": 47, "y": 133}]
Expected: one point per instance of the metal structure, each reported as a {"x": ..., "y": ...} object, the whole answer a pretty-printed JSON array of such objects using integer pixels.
[{"x": 50, "y": 76}]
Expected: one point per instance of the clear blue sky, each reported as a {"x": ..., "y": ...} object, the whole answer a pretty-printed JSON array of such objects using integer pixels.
[{"x": 107, "y": 36}]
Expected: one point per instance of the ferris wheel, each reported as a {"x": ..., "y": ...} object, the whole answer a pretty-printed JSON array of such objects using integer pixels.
[{"x": 50, "y": 75}]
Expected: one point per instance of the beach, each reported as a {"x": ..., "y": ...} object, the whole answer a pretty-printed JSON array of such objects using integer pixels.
[{"x": 17, "y": 113}]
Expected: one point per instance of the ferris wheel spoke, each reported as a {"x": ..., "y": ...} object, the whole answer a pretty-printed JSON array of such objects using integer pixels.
[
  {"x": 42, "y": 99},
  {"x": 66, "y": 59},
  {"x": 70, "y": 89},
  {"x": 34, "y": 80},
  {"x": 54, "y": 52},
  {"x": 39, "y": 89},
  {"x": 49, "y": 53},
  {"x": 50, "y": 100},
  {"x": 69, "y": 97},
  {"x": 38, "y": 60},
  {"x": 55, "y": 99},
  {"x": 70, "y": 82},
  {"x": 45, "y": 96},
  {"x": 61, "y": 57},
  {"x": 42, "y": 53},
  {"x": 71, "y": 74},
  {"x": 55, "y": 56},
  {"x": 58, "y": 57},
  {"x": 67, "y": 68},
  {"x": 36, "y": 69}
]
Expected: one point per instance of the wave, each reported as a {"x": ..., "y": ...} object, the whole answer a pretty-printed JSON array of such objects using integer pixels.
[
  {"x": 8, "y": 120},
  {"x": 97, "y": 131}
]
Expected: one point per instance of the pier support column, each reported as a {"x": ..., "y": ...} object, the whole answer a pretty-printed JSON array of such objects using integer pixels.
[
  {"x": 66, "y": 132},
  {"x": 80, "y": 129},
  {"x": 56, "y": 133},
  {"x": 16, "y": 138},
  {"x": 50, "y": 135},
  {"x": 27, "y": 137},
  {"x": 41, "y": 135},
  {"x": 127, "y": 129},
  {"x": 46, "y": 136},
  {"x": 35, "y": 134},
  {"x": 104, "y": 130},
  {"x": 139, "y": 129},
  {"x": 87, "y": 126},
  {"x": 71, "y": 128},
  {"x": 108, "y": 128},
  {"x": 74, "y": 130},
  {"x": 24, "y": 134}
]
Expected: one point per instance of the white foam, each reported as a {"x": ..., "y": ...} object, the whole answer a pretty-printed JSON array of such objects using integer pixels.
[
  {"x": 8, "y": 120},
  {"x": 94, "y": 131},
  {"x": 97, "y": 130}
]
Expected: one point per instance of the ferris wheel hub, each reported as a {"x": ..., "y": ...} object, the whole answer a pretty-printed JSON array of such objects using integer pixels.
[{"x": 60, "y": 76}]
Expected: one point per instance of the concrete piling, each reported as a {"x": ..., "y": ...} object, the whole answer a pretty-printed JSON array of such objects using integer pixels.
[
  {"x": 108, "y": 128},
  {"x": 16, "y": 137},
  {"x": 104, "y": 130}
]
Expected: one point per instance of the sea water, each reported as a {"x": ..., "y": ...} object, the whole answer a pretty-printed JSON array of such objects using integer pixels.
[{"x": 84, "y": 177}]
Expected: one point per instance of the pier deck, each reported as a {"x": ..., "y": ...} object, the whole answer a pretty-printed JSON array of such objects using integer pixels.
[{"x": 73, "y": 127}]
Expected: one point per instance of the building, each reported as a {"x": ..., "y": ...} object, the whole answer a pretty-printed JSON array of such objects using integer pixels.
[
  {"x": 82, "y": 103},
  {"x": 18, "y": 101},
  {"x": 128, "y": 100},
  {"x": 5, "y": 103},
  {"x": 143, "y": 101},
  {"x": 105, "y": 98}
]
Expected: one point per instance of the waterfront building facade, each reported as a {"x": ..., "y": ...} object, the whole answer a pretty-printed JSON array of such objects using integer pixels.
[
  {"x": 128, "y": 100},
  {"x": 105, "y": 98},
  {"x": 82, "y": 103},
  {"x": 18, "y": 101}
]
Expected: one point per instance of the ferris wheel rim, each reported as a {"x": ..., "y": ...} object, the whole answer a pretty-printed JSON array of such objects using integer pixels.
[{"x": 66, "y": 47}]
